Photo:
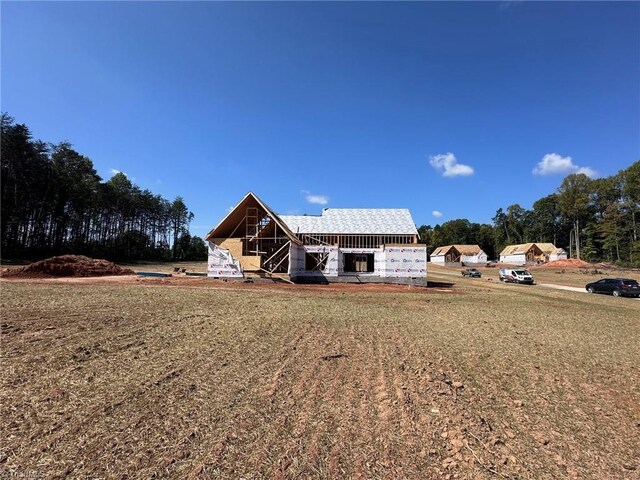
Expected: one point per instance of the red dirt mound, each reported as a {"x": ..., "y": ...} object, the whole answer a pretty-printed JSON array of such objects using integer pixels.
[
  {"x": 569, "y": 263},
  {"x": 69, "y": 266}
]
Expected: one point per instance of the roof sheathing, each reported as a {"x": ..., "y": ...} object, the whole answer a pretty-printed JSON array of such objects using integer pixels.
[
  {"x": 468, "y": 249},
  {"x": 441, "y": 250},
  {"x": 354, "y": 221},
  {"x": 461, "y": 249},
  {"x": 522, "y": 248},
  {"x": 547, "y": 248}
]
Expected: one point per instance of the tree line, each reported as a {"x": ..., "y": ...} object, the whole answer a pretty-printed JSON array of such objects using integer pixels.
[
  {"x": 54, "y": 202},
  {"x": 592, "y": 219}
]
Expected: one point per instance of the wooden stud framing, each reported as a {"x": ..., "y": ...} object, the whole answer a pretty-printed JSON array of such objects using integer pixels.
[{"x": 279, "y": 250}]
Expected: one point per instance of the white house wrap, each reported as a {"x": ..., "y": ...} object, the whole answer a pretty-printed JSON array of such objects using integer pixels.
[{"x": 222, "y": 263}]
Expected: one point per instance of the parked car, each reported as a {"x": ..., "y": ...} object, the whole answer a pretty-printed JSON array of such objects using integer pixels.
[
  {"x": 515, "y": 276},
  {"x": 471, "y": 272},
  {"x": 618, "y": 287}
]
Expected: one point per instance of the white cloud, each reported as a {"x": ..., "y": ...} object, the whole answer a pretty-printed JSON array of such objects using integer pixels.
[
  {"x": 588, "y": 171},
  {"x": 115, "y": 171},
  {"x": 507, "y": 4},
  {"x": 315, "y": 199},
  {"x": 554, "y": 164},
  {"x": 436, "y": 213},
  {"x": 449, "y": 166}
]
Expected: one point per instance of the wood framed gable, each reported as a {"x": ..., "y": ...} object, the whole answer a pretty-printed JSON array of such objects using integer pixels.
[
  {"x": 255, "y": 236},
  {"x": 251, "y": 217}
]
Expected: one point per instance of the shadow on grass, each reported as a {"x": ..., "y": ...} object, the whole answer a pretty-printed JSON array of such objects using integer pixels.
[{"x": 431, "y": 284}]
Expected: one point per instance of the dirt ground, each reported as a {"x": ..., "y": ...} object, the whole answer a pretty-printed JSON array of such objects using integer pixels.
[
  {"x": 66, "y": 266},
  {"x": 125, "y": 377},
  {"x": 568, "y": 276}
]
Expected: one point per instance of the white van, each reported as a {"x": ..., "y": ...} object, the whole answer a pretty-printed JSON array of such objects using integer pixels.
[{"x": 516, "y": 276}]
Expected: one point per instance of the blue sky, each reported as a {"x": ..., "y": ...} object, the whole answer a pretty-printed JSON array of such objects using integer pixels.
[{"x": 450, "y": 107}]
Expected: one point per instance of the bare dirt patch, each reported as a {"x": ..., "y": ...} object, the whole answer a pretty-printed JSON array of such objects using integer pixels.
[
  {"x": 246, "y": 381},
  {"x": 67, "y": 266},
  {"x": 258, "y": 284},
  {"x": 568, "y": 263},
  {"x": 567, "y": 276}
]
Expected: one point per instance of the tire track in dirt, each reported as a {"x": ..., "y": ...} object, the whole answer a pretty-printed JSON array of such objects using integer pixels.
[
  {"x": 285, "y": 356},
  {"x": 317, "y": 404},
  {"x": 294, "y": 406},
  {"x": 406, "y": 419},
  {"x": 224, "y": 450},
  {"x": 66, "y": 427},
  {"x": 269, "y": 437},
  {"x": 384, "y": 426},
  {"x": 241, "y": 412},
  {"x": 426, "y": 405},
  {"x": 447, "y": 424},
  {"x": 363, "y": 427},
  {"x": 309, "y": 420},
  {"x": 397, "y": 425},
  {"x": 356, "y": 429},
  {"x": 103, "y": 354},
  {"x": 340, "y": 395},
  {"x": 154, "y": 406}
]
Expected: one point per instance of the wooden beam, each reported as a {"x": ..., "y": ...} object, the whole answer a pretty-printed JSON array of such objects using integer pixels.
[
  {"x": 322, "y": 259},
  {"x": 237, "y": 226},
  {"x": 279, "y": 278},
  {"x": 317, "y": 240},
  {"x": 279, "y": 250},
  {"x": 280, "y": 262}
]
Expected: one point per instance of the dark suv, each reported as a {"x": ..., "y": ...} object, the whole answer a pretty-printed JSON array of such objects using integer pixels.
[
  {"x": 471, "y": 272},
  {"x": 618, "y": 287}
]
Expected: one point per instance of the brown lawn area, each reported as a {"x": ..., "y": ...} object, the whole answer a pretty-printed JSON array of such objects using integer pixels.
[
  {"x": 573, "y": 277},
  {"x": 194, "y": 378}
]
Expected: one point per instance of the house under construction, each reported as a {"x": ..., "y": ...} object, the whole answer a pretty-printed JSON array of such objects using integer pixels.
[
  {"x": 458, "y": 254},
  {"x": 531, "y": 253},
  {"x": 358, "y": 245}
]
